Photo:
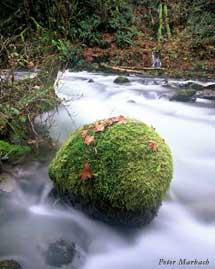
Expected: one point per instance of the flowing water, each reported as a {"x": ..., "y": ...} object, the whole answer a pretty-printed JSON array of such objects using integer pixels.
[{"x": 185, "y": 225}]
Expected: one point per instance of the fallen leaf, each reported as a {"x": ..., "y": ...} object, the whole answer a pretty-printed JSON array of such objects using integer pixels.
[
  {"x": 84, "y": 133},
  {"x": 153, "y": 145},
  {"x": 99, "y": 127},
  {"x": 86, "y": 173},
  {"x": 121, "y": 119},
  {"x": 89, "y": 140}
]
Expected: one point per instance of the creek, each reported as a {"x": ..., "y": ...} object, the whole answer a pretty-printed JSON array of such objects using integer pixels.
[{"x": 185, "y": 225}]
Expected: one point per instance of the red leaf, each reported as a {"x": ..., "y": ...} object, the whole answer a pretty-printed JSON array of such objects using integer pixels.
[
  {"x": 153, "y": 145},
  {"x": 100, "y": 126},
  {"x": 87, "y": 172},
  {"x": 89, "y": 140}
]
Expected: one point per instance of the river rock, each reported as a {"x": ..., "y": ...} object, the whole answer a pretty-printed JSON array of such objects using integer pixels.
[
  {"x": 120, "y": 177},
  {"x": 121, "y": 80},
  {"x": 184, "y": 95},
  {"x": 210, "y": 87},
  {"x": 60, "y": 253},
  {"x": 206, "y": 94},
  {"x": 9, "y": 264},
  {"x": 192, "y": 85}
]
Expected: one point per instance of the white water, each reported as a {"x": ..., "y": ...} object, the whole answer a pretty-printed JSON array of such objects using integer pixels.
[{"x": 185, "y": 225}]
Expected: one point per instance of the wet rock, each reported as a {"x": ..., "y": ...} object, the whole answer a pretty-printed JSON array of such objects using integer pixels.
[
  {"x": 60, "y": 253},
  {"x": 184, "y": 95},
  {"x": 131, "y": 101},
  {"x": 206, "y": 94},
  {"x": 210, "y": 87},
  {"x": 9, "y": 264},
  {"x": 7, "y": 183},
  {"x": 192, "y": 85},
  {"x": 121, "y": 80},
  {"x": 128, "y": 207},
  {"x": 90, "y": 80}
]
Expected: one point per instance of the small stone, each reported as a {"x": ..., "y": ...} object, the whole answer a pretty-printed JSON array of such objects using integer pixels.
[
  {"x": 131, "y": 101},
  {"x": 90, "y": 80},
  {"x": 121, "y": 80}
]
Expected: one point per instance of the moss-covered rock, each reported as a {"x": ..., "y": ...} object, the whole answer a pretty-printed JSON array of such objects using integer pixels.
[
  {"x": 12, "y": 152},
  {"x": 9, "y": 264},
  {"x": 184, "y": 95},
  {"x": 121, "y": 80},
  {"x": 129, "y": 174}
]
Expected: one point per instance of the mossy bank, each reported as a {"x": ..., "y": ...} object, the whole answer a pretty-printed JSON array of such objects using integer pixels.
[{"x": 129, "y": 170}]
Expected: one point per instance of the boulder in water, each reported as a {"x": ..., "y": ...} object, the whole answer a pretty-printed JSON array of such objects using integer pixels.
[
  {"x": 184, "y": 95},
  {"x": 121, "y": 80},
  {"x": 9, "y": 264},
  {"x": 117, "y": 170}
]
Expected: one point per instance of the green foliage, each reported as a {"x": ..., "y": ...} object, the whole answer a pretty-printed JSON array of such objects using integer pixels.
[
  {"x": 21, "y": 102},
  {"x": 130, "y": 177},
  {"x": 83, "y": 21},
  {"x": 12, "y": 152},
  {"x": 125, "y": 38},
  {"x": 201, "y": 22}
]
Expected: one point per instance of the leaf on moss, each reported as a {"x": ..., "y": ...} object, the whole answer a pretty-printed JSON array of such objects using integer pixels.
[
  {"x": 89, "y": 140},
  {"x": 153, "y": 145},
  {"x": 87, "y": 172},
  {"x": 100, "y": 126},
  {"x": 121, "y": 119},
  {"x": 84, "y": 133}
]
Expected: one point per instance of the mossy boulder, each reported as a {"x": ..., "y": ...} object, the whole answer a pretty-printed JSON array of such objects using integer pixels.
[
  {"x": 129, "y": 168},
  {"x": 184, "y": 95},
  {"x": 121, "y": 80}
]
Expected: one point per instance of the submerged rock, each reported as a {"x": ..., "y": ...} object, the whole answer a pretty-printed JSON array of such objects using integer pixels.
[
  {"x": 117, "y": 170},
  {"x": 9, "y": 264},
  {"x": 60, "y": 253},
  {"x": 121, "y": 80},
  {"x": 90, "y": 80}
]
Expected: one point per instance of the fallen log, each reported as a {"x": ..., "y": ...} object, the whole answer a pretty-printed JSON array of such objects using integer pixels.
[{"x": 131, "y": 69}]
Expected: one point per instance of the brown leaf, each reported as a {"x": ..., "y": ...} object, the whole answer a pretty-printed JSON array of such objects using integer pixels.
[
  {"x": 89, "y": 140},
  {"x": 100, "y": 126},
  {"x": 153, "y": 145},
  {"x": 121, "y": 119},
  {"x": 87, "y": 172},
  {"x": 84, "y": 133}
]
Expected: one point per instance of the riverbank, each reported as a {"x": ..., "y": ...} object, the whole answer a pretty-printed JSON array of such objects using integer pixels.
[{"x": 23, "y": 99}]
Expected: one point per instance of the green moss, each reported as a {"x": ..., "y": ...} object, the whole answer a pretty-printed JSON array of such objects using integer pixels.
[
  {"x": 121, "y": 80},
  {"x": 12, "y": 152},
  {"x": 130, "y": 179},
  {"x": 9, "y": 264},
  {"x": 184, "y": 95}
]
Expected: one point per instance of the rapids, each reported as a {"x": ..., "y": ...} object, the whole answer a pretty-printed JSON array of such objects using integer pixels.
[{"x": 185, "y": 225}]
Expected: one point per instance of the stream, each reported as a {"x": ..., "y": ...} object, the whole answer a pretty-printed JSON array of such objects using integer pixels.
[{"x": 185, "y": 225}]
